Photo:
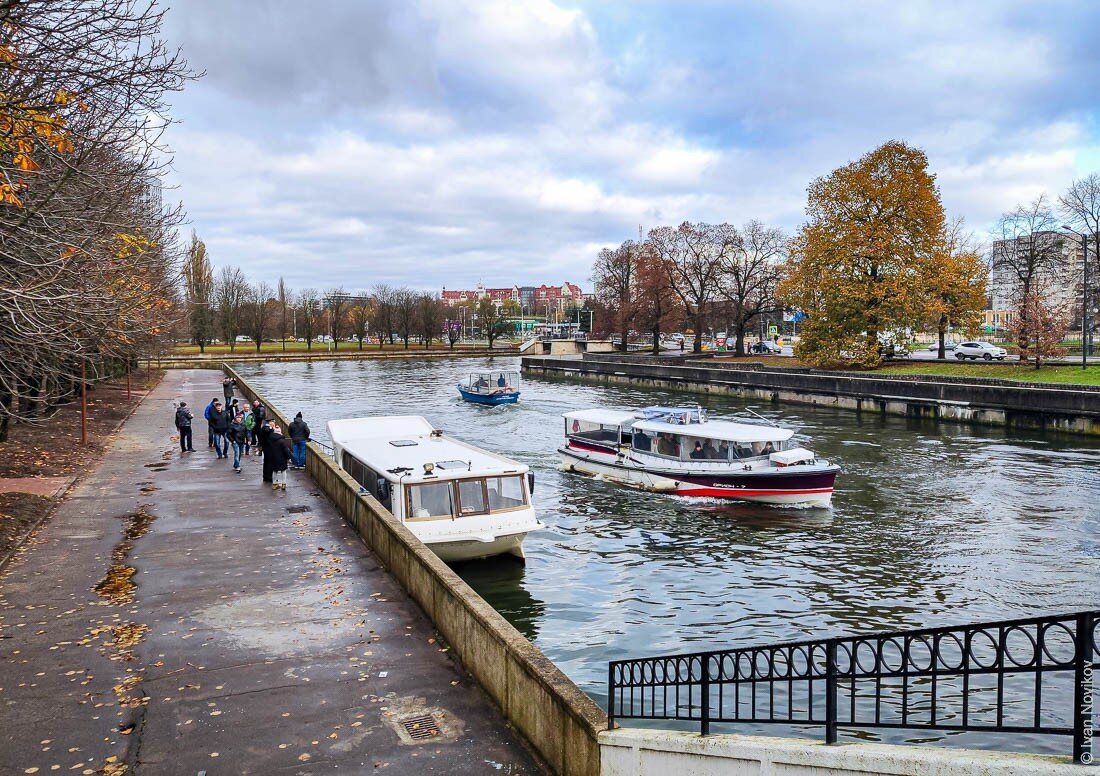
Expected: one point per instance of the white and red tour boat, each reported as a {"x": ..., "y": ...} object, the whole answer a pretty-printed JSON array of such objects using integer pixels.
[{"x": 677, "y": 450}]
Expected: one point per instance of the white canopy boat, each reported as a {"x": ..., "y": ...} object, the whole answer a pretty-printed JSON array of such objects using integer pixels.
[
  {"x": 678, "y": 450},
  {"x": 463, "y": 502}
]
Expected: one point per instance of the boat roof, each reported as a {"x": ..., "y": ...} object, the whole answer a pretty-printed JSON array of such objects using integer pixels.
[
  {"x": 718, "y": 429},
  {"x": 394, "y": 442},
  {"x": 604, "y": 416}
]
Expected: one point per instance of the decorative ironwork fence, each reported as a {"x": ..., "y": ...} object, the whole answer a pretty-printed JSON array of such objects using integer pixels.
[{"x": 1017, "y": 676}]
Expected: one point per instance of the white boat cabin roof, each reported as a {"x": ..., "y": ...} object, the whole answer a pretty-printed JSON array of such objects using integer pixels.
[
  {"x": 718, "y": 429},
  {"x": 395, "y": 442},
  {"x": 602, "y": 416}
]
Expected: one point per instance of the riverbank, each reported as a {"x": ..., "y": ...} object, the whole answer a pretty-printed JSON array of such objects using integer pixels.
[
  {"x": 213, "y": 360},
  {"x": 994, "y": 402},
  {"x": 175, "y": 617}
]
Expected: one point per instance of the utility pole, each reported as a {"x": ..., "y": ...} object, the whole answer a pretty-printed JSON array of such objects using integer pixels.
[{"x": 83, "y": 402}]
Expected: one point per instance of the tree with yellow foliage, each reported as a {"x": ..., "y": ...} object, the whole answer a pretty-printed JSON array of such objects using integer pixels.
[
  {"x": 955, "y": 280},
  {"x": 859, "y": 265}
]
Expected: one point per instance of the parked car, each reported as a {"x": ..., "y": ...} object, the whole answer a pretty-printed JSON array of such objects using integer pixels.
[
  {"x": 977, "y": 349},
  {"x": 935, "y": 346},
  {"x": 766, "y": 346}
]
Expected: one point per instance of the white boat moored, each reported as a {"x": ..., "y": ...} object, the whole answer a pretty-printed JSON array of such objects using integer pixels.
[{"x": 463, "y": 502}]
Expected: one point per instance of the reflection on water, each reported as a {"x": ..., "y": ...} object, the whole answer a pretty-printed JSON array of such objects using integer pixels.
[{"x": 932, "y": 523}]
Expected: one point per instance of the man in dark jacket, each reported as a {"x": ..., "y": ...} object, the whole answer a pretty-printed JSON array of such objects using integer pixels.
[
  {"x": 238, "y": 435},
  {"x": 183, "y": 425},
  {"x": 206, "y": 414},
  {"x": 227, "y": 389},
  {"x": 219, "y": 424},
  {"x": 277, "y": 456},
  {"x": 259, "y": 413},
  {"x": 263, "y": 432},
  {"x": 299, "y": 435}
]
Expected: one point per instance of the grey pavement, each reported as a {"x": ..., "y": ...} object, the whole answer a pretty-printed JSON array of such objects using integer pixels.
[{"x": 235, "y": 630}]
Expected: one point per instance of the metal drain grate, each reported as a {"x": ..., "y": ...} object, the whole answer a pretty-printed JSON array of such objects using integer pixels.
[
  {"x": 297, "y": 510},
  {"x": 421, "y": 728}
]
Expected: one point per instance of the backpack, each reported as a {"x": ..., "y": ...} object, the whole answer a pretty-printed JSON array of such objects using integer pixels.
[{"x": 249, "y": 421}]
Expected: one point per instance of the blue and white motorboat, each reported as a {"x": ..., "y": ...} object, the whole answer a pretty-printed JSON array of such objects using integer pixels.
[{"x": 490, "y": 388}]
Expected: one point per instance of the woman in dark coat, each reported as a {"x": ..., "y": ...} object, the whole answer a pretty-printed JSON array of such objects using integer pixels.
[
  {"x": 263, "y": 434},
  {"x": 277, "y": 456}
]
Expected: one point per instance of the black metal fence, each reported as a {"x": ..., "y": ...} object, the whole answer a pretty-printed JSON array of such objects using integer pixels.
[{"x": 1017, "y": 676}]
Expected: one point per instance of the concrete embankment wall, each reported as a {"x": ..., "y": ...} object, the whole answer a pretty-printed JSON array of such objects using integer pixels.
[
  {"x": 559, "y": 720},
  {"x": 988, "y": 402},
  {"x": 659, "y": 753}
]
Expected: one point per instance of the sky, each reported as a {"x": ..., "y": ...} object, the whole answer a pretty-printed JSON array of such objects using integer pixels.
[{"x": 443, "y": 143}]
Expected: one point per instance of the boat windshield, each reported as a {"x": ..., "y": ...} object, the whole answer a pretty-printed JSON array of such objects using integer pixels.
[
  {"x": 595, "y": 432},
  {"x": 685, "y": 447},
  {"x": 491, "y": 382},
  {"x": 465, "y": 497}
]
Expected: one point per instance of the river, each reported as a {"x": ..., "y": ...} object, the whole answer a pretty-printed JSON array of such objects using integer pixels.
[{"x": 932, "y": 523}]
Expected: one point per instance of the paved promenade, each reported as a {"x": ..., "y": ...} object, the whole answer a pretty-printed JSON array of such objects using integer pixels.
[{"x": 176, "y": 618}]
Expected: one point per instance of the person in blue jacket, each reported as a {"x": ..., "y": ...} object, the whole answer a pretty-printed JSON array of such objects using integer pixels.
[{"x": 206, "y": 413}]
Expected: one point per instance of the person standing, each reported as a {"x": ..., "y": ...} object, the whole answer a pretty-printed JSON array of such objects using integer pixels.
[
  {"x": 219, "y": 425},
  {"x": 227, "y": 389},
  {"x": 183, "y": 425},
  {"x": 278, "y": 456},
  {"x": 209, "y": 428},
  {"x": 250, "y": 427},
  {"x": 299, "y": 435},
  {"x": 259, "y": 412},
  {"x": 238, "y": 436},
  {"x": 263, "y": 433}
]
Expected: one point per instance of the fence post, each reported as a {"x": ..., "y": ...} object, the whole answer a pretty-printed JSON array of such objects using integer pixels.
[
  {"x": 704, "y": 703},
  {"x": 830, "y": 692},
  {"x": 610, "y": 696},
  {"x": 1082, "y": 690}
]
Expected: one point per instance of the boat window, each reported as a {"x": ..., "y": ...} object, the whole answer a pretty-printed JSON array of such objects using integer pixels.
[
  {"x": 452, "y": 465},
  {"x": 644, "y": 441},
  {"x": 742, "y": 450},
  {"x": 403, "y": 443},
  {"x": 471, "y": 496},
  {"x": 596, "y": 432},
  {"x": 703, "y": 449},
  {"x": 505, "y": 493},
  {"x": 668, "y": 444},
  {"x": 766, "y": 448},
  {"x": 431, "y": 499}
]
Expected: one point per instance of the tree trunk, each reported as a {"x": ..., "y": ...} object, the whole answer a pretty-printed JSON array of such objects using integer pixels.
[
  {"x": 941, "y": 353},
  {"x": 624, "y": 333},
  {"x": 739, "y": 346},
  {"x": 697, "y": 346},
  {"x": 258, "y": 341},
  {"x": 202, "y": 346}
]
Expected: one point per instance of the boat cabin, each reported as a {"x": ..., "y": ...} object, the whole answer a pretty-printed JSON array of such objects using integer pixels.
[
  {"x": 421, "y": 475},
  {"x": 491, "y": 382},
  {"x": 676, "y": 433}
]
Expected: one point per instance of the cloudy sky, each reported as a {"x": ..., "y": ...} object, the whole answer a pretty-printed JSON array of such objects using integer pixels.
[{"x": 445, "y": 142}]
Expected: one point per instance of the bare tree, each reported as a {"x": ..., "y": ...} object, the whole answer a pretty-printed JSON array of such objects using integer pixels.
[
  {"x": 404, "y": 313},
  {"x": 383, "y": 313},
  {"x": 615, "y": 280},
  {"x": 429, "y": 318},
  {"x": 230, "y": 296},
  {"x": 198, "y": 278},
  {"x": 693, "y": 256},
  {"x": 1027, "y": 259},
  {"x": 309, "y": 303},
  {"x": 258, "y": 307},
  {"x": 749, "y": 274},
  {"x": 283, "y": 297},
  {"x": 359, "y": 318},
  {"x": 1081, "y": 206},
  {"x": 337, "y": 303}
]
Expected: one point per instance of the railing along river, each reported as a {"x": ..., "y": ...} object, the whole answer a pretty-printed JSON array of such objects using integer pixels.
[{"x": 1015, "y": 676}]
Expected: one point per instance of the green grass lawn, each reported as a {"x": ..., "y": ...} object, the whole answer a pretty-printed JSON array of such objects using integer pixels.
[{"x": 1057, "y": 373}]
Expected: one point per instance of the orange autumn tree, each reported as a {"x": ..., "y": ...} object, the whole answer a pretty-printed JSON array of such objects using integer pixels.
[
  {"x": 858, "y": 265},
  {"x": 956, "y": 283}
]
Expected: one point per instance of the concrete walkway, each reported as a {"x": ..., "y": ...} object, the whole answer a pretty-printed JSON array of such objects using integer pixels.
[{"x": 174, "y": 617}]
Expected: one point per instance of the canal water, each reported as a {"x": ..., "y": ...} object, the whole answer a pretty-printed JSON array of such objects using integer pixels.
[{"x": 932, "y": 523}]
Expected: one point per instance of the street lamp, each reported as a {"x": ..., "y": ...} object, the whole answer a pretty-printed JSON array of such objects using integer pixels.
[{"x": 1084, "y": 295}]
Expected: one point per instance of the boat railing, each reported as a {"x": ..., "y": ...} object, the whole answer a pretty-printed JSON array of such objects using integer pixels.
[
  {"x": 326, "y": 449},
  {"x": 1026, "y": 676}
]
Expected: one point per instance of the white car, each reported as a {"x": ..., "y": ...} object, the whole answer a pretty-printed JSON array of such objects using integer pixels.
[
  {"x": 936, "y": 346},
  {"x": 976, "y": 350}
]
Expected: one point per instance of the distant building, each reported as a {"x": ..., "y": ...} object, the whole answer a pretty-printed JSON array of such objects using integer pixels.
[
  {"x": 1057, "y": 276},
  {"x": 533, "y": 300}
]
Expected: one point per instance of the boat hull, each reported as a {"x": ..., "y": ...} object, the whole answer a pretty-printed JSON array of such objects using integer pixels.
[
  {"x": 508, "y": 397},
  {"x": 808, "y": 487},
  {"x": 458, "y": 550}
]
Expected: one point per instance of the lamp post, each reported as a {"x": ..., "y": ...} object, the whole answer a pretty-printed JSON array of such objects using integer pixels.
[{"x": 1084, "y": 296}]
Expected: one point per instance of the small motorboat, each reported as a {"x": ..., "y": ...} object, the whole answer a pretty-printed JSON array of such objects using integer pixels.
[
  {"x": 490, "y": 388},
  {"x": 678, "y": 450},
  {"x": 463, "y": 502}
]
